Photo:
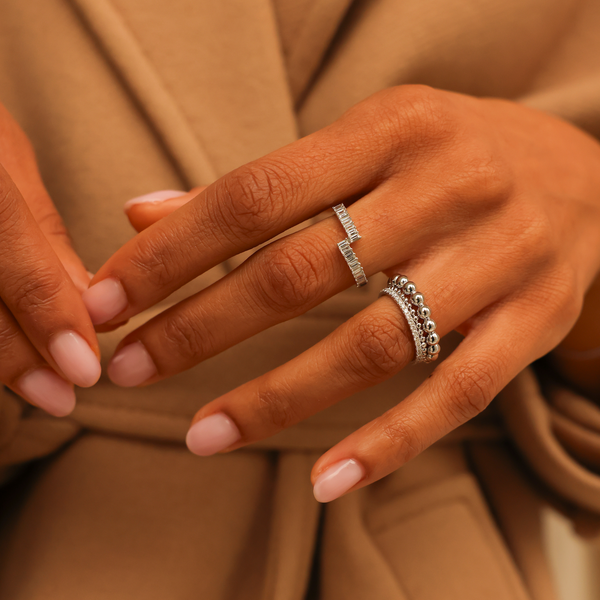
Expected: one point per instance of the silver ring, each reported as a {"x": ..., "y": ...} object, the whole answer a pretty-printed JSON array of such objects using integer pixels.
[
  {"x": 417, "y": 314},
  {"x": 350, "y": 228},
  {"x": 347, "y": 223}
]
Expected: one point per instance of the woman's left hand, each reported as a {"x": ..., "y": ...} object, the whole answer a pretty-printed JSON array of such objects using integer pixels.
[{"x": 492, "y": 208}]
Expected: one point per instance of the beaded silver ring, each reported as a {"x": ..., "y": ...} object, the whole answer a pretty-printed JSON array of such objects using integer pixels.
[
  {"x": 350, "y": 228},
  {"x": 418, "y": 315}
]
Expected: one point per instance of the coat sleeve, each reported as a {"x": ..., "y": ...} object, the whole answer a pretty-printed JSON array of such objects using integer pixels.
[{"x": 557, "y": 432}]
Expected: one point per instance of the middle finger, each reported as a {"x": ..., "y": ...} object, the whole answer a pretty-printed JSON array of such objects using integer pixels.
[
  {"x": 240, "y": 211},
  {"x": 279, "y": 282}
]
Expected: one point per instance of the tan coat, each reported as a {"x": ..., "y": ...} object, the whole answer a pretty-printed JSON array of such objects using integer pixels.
[{"x": 124, "y": 97}]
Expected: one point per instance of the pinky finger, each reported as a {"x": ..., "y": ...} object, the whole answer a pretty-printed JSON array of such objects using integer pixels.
[
  {"x": 24, "y": 371},
  {"x": 458, "y": 390}
]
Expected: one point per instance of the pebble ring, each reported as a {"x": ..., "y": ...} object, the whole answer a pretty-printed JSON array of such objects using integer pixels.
[{"x": 418, "y": 315}]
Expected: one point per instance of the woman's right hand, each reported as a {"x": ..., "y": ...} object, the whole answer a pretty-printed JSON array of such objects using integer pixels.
[{"x": 47, "y": 340}]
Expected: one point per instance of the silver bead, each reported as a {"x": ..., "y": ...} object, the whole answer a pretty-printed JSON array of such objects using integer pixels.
[
  {"x": 429, "y": 325},
  {"x": 433, "y": 338},
  {"x": 433, "y": 350},
  {"x": 417, "y": 299},
  {"x": 424, "y": 311},
  {"x": 410, "y": 288},
  {"x": 433, "y": 357}
]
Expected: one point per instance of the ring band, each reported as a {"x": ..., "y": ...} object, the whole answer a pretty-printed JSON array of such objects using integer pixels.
[
  {"x": 417, "y": 314},
  {"x": 347, "y": 223},
  {"x": 355, "y": 266},
  {"x": 350, "y": 228}
]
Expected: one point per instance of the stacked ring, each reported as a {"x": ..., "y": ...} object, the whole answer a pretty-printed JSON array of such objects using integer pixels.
[
  {"x": 345, "y": 248},
  {"x": 418, "y": 315}
]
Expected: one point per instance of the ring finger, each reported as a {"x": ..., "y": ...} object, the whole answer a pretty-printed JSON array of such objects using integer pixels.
[{"x": 369, "y": 348}]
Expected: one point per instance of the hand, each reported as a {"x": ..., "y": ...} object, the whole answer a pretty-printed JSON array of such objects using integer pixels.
[
  {"x": 47, "y": 340},
  {"x": 492, "y": 208}
]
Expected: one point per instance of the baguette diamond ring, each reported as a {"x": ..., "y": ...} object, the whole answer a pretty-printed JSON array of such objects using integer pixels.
[{"x": 345, "y": 248}]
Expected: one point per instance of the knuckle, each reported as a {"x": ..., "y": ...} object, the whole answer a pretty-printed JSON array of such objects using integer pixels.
[
  {"x": 51, "y": 223},
  {"x": 381, "y": 347},
  {"x": 535, "y": 237},
  {"x": 184, "y": 339},
  {"x": 428, "y": 114},
  {"x": 157, "y": 257},
  {"x": 274, "y": 408},
  {"x": 571, "y": 296},
  {"x": 402, "y": 439},
  {"x": 8, "y": 333},
  {"x": 469, "y": 390},
  {"x": 417, "y": 115},
  {"x": 558, "y": 303},
  {"x": 291, "y": 275},
  {"x": 249, "y": 203},
  {"x": 9, "y": 209},
  {"x": 37, "y": 289},
  {"x": 483, "y": 177}
]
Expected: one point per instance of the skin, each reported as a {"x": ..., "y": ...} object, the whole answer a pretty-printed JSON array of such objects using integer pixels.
[
  {"x": 40, "y": 293},
  {"x": 491, "y": 207}
]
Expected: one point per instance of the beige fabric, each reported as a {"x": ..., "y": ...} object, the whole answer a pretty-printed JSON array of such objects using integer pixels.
[
  {"x": 123, "y": 97},
  {"x": 118, "y": 518}
]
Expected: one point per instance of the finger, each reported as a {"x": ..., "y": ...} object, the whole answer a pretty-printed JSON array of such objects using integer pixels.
[
  {"x": 107, "y": 299},
  {"x": 280, "y": 281},
  {"x": 18, "y": 158},
  {"x": 257, "y": 202},
  {"x": 26, "y": 373},
  {"x": 144, "y": 211},
  {"x": 52, "y": 226},
  {"x": 459, "y": 389},
  {"x": 39, "y": 293},
  {"x": 369, "y": 348}
]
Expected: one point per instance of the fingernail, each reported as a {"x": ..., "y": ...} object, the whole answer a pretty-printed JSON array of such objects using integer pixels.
[
  {"x": 131, "y": 365},
  {"x": 338, "y": 479},
  {"x": 75, "y": 358},
  {"x": 212, "y": 434},
  {"x": 154, "y": 197},
  {"x": 49, "y": 391},
  {"x": 105, "y": 300}
]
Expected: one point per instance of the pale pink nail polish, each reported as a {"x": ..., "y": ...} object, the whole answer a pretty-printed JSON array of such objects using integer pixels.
[
  {"x": 339, "y": 478},
  {"x": 131, "y": 366},
  {"x": 49, "y": 391},
  {"x": 105, "y": 300},
  {"x": 212, "y": 434},
  {"x": 75, "y": 358},
  {"x": 160, "y": 196}
]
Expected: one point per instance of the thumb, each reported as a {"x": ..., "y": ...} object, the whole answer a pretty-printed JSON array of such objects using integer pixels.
[{"x": 146, "y": 210}]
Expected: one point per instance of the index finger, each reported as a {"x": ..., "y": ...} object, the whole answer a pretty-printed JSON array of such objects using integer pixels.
[
  {"x": 39, "y": 293},
  {"x": 253, "y": 204}
]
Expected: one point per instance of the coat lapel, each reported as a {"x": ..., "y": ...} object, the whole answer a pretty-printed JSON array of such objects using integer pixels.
[{"x": 209, "y": 76}]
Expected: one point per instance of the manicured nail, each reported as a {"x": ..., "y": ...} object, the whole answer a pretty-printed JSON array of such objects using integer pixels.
[
  {"x": 49, "y": 391},
  {"x": 75, "y": 358},
  {"x": 212, "y": 434},
  {"x": 338, "y": 479},
  {"x": 154, "y": 197},
  {"x": 105, "y": 300},
  {"x": 131, "y": 365}
]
